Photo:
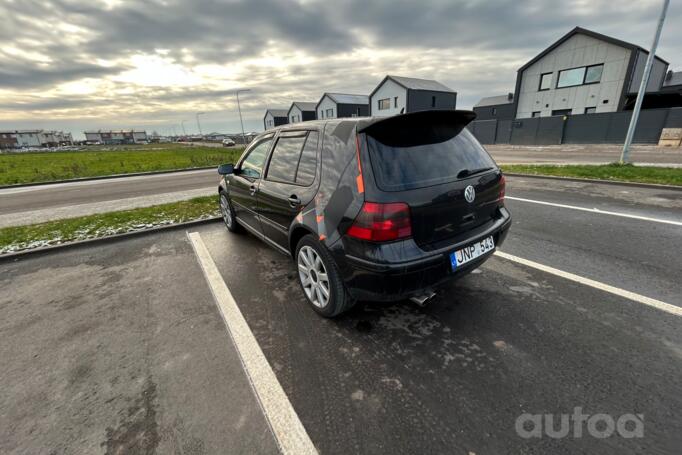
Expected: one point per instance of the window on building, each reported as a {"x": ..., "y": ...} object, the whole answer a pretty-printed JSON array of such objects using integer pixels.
[
  {"x": 395, "y": 102},
  {"x": 433, "y": 101},
  {"x": 545, "y": 81},
  {"x": 590, "y": 110},
  {"x": 330, "y": 113},
  {"x": 570, "y": 78},
  {"x": 580, "y": 76},
  {"x": 536, "y": 114},
  {"x": 562, "y": 112},
  {"x": 593, "y": 74},
  {"x": 384, "y": 104}
]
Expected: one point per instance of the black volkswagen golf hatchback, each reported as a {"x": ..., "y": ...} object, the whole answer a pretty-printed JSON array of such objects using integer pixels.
[{"x": 376, "y": 209}]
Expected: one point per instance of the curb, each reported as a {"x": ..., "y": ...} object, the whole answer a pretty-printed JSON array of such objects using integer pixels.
[
  {"x": 104, "y": 177},
  {"x": 99, "y": 240},
  {"x": 658, "y": 186}
]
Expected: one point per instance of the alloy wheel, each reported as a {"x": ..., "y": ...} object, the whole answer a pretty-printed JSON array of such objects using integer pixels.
[
  {"x": 313, "y": 276},
  {"x": 225, "y": 210}
]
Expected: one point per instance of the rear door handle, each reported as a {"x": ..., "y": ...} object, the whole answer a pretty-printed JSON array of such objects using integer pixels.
[{"x": 294, "y": 200}]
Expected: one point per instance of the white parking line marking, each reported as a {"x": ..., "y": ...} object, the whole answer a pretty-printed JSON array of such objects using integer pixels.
[
  {"x": 280, "y": 414},
  {"x": 672, "y": 309},
  {"x": 595, "y": 210}
]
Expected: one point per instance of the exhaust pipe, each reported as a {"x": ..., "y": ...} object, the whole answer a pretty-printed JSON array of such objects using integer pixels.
[{"x": 422, "y": 299}]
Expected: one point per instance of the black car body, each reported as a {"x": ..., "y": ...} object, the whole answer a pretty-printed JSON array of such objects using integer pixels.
[{"x": 382, "y": 198}]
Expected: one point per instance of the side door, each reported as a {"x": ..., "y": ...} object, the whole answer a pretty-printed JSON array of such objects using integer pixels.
[
  {"x": 290, "y": 182},
  {"x": 245, "y": 180}
]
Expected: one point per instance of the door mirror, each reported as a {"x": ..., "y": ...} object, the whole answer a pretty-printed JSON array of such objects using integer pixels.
[{"x": 225, "y": 169}]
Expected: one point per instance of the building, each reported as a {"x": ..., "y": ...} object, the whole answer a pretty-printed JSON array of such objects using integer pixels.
[
  {"x": 301, "y": 111},
  {"x": 584, "y": 72},
  {"x": 275, "y": 117},
  {"x": 339, "y": 105},
  {"x": 29, "y": 138},
  {"x": 397, "y": 94},
  {"x": 116, "y": 137},
  {"x": 495, "y": 108},
  {"x": 34, "y": 138},
  {"x": 8, "y": 140}
]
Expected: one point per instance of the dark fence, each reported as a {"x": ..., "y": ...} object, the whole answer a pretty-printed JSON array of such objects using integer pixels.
[{"x": 604, "y": 128}]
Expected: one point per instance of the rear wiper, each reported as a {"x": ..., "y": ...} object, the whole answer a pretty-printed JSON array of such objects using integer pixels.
[{"x": 466, "y": 172}]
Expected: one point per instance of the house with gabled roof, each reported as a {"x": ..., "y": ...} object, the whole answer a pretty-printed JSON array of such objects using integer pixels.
[
  {"x": 339, "y": 105},
  {"x": 398, "y": 94}
]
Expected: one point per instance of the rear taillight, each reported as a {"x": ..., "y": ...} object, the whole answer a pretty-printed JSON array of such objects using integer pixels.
[
  {"x": 503, "y": 184},
  {"x": 382, "y": 222}
]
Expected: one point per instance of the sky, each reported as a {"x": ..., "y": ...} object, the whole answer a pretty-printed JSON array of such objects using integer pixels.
[{"x": 155, "y": 64}]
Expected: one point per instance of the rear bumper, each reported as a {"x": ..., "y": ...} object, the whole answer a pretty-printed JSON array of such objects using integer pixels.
[{"x": 389, "y": 281}]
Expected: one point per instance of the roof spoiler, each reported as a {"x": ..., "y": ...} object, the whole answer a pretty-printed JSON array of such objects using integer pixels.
[{"x": 419, "y": 128}]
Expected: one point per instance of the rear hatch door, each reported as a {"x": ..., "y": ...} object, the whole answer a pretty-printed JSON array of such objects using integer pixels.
[{"x": 432, "y": 162}]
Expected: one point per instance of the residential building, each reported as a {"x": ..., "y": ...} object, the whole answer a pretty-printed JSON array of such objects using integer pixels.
[
  {"x": 339, "y": 105},
  {"x": 116, "y": 137},
  {"x": 584, "y": 72},
  {"x": 301, "y": 111},
  {"x": 495, "y": 108},
  {"x": 397, "y": 94},
  {"x": 34, "y": 138},
  {"x": 8, "y": 140},
  {"x": 275, "y": 117},
  {"x": 29, "y": 138}
]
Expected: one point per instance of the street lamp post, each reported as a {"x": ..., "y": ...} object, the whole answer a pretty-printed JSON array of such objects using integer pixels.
[
  {"x": 624, "y": 157},
  {"x": 199, "y": 123},
  {"x": 240, "y": 113}
]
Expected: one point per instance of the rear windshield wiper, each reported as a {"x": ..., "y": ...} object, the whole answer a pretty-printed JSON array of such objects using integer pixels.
[{"x": 466, "y": 172}]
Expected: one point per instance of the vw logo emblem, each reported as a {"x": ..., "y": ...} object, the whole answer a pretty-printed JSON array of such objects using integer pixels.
[{"x": 470, "y": 194}]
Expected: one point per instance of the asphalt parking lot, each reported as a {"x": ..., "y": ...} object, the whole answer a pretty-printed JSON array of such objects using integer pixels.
[{"x": 120, "y": 348}]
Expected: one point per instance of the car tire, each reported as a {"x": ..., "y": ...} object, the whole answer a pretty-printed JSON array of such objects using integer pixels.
[
  {"x": 227, "y": 212},
  {"x": 338, "y": 299}
]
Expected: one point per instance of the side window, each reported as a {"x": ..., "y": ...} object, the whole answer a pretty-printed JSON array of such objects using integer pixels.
[
  {"x": 253, "y": 163},
  {"x": 285, "y": 156},
  {"x": 307, "y": 165}
]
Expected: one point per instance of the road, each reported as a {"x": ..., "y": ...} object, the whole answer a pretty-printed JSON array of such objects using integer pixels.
[
  {"x": 121, "y": 347},
  {"x": 32, "y": 204},
  {"x": 584, "y": 154},
  {"x": 38, "y": 203}
]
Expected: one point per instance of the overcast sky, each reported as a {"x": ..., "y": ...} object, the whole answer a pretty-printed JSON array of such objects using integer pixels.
[{"x": 79, "y": 65}]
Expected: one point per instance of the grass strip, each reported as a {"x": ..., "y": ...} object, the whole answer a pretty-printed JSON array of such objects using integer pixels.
[
  {"x": 18, "y": 238},
  {"x": 35, "y": 167},
  {"x": 615, "y": 171}
]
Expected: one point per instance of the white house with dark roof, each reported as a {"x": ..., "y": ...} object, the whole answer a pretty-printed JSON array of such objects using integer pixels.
[
  {"x": 584, "y": 72},
  {"x": 275, "y": 117},
  {"x": 339, "y": 105},
  {"x": 301, "y": 111},
  {"x": 397, "y": 94}
]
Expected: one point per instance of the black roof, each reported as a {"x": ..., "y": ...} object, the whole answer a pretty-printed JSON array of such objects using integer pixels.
[
  {"x": 413, "y": 83},
  {"x": 584, "y": 31},
  {"x": 276, "y": 112},
  {"x": 455, "y": 116}
]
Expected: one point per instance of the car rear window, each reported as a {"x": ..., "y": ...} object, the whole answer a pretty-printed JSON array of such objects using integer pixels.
[{"x": 399, "y": 168}]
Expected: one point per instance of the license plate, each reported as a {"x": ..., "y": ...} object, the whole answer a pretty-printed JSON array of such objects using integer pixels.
[{"x": 471, "y": 252}]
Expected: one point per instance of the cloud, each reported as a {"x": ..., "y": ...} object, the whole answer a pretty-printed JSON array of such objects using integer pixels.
[{"x": 156, "y": 62}]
